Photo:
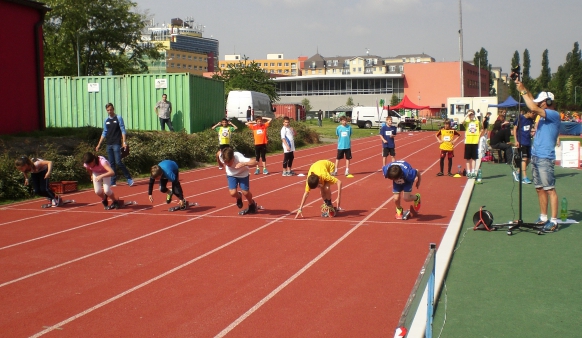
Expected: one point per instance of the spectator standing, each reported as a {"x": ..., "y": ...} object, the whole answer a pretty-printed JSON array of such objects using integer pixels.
[
  {"x": 344, "y": 147},
  {"x": 249, "y": 114},
  {"x": 387, "y": 133},
  {"x": 523, "y": 143},
  {"x": 164, "y": 111},
  {"x": 288, "y": 140},
  {"x": 319, "y": 117},
  {"x": 260, "y": 135},
  {"x": 115, "y": 137},
  {"x": 472, "y": 135},
  {"x": 543, "y": 153}
]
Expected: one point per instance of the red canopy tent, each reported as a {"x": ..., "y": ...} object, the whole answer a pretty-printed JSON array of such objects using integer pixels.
[{"x": 407, "y": 104}]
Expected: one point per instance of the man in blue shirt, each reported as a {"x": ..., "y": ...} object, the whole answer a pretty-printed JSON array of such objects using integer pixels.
[
  {"x": 343, "y": 132},
  {"x": 543, "y": 153},
  {"x": 523, "y": 143},
  {"x": 114, "y": 135},
  {"x": 403, "y": 176}
]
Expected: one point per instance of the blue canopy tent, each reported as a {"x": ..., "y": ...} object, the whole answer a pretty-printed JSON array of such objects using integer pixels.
[{"x": 509, "y": 102}]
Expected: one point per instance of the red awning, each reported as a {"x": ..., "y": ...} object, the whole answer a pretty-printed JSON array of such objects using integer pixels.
[{"x": 407, "y": 104}]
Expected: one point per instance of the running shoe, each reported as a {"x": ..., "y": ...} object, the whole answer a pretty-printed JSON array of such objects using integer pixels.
[
  {"x": 333, "y": 173},
  {"x": 551, "y": 226},
  {"x": 169, "y": 197},
  {"x": 115, "y": 205},
  {"x": 130, "y": 182},
  {"x": 347, "y": 173},
  {"x": 450, "y": 174},
  {"x": 285, "y": 174},
  {"x": 239, "y": 202},
  {"x": 516, "y": 176},
  {"x": 184, "y": 204},
  {"x": 105, "y": 203},
  {"x": 291, "y": 173},
  {"x": 417, "y": 203},
  {"x": 253, "y": 207},
  {"x": 57, "y": 201},
  {"x": 398, "y": 213},
  {"x": 539, "y": 221},
  {"x": 257, "y": 171},
  {"x": 440, "y": 173},
  {"x": 265, "y": 171},
  {"x": 526, "y": 181},
  {"x": 219, "y": 168}
]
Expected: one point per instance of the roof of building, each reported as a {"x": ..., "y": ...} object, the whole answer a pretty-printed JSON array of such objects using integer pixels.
[{"x": 34, "y": 4}]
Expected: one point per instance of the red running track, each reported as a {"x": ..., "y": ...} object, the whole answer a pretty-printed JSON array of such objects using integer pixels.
[{"x": 208, "y": 272}]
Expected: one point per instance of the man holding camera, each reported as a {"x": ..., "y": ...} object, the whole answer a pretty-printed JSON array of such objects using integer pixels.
[{"x": 543, "y": 152}]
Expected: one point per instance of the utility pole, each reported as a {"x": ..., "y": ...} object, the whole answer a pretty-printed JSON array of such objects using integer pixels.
[{"x": 461, "y": 49}]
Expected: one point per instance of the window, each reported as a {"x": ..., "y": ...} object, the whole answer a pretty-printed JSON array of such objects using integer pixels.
[
  {"x": 172, "y": 55},
  {"x": 172, "y": 65},
  {"x": 286, "y": 64},
  {"x": 178, "y": 65},
  {"x": 279, "y": 64},
  {"x": 272, "y": 64},
  {"x": 354, "y": 70},
  {"x": 392, "y": 68},
  {"x": 417, "y": 59},
  {"x": 403, "y": 59},
  {"x": 190, "y": 67},
  {"x": 401, "y": 69},
  {"x": 359, "y": 69},
  {"x": 265, "y": 64},
  {"x": 190, "y": 57}
]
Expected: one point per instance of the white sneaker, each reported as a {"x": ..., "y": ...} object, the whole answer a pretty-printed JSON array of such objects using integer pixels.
[{"x": 333, "y": 173}]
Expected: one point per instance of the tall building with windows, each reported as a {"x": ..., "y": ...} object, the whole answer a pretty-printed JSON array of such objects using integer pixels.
[
  {"x": 184, "y": 49},
  {"x": 273, "y": 64}
]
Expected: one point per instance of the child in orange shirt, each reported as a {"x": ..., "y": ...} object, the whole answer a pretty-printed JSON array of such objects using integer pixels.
[{"x": 259, "y": 129}]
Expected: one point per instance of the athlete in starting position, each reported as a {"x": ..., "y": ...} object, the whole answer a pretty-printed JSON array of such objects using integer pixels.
[
  {"x": 101, "y": 173},
  {"x": 403, "y": 176},
  {"x": 319, "y": 175},
  {"x": 40, "y": 171},
  {"x": 237, "y": 175},
  {"x": 167, "y": 170}
]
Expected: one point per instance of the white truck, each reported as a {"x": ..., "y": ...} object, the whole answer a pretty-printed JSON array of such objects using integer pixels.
[
  {"x": 368, "y": 117},
  {"x": 239, "y": 101}
]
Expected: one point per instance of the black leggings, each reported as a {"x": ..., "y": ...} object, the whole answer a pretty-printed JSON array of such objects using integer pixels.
[
  {"x": 176, "y": 187},
  {"x": 261, "y": 153},
  {"x": 443, "y": 163},
  {"x": 288, "y": 160},
  {"x": 41, "y": 185}
]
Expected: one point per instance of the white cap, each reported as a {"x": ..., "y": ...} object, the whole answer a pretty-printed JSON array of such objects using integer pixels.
[{"x": 544, "y": 96}]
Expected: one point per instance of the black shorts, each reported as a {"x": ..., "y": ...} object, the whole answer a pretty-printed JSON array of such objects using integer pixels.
[
  {"x": 471, "y": 151},
  {"x": 342, "y": 152},
  {"x": 525, "y": 151},
  {"x": 388, "y": 151}
]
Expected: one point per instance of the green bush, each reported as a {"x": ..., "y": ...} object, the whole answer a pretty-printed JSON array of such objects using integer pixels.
[{"x": 146, "y": 149}]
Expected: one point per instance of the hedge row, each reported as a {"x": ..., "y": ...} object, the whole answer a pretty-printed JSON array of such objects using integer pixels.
[{"x": 146, "y": 149}]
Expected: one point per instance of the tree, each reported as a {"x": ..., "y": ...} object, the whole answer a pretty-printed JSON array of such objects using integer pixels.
[
  {"x": 306, "y": 104},
  {"x": 514, "y": 63},
  {"x": 481, "y": 60},
  {"x": 350, "y": 101},
  {"x": 247, "y": 76},
  {"x": 394, "y": 101},
  {"x": 543, "y": 80},
  {"x": 105, "y": 33}
]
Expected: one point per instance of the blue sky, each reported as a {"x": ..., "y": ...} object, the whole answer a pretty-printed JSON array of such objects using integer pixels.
[{"x": 386, "y": 27}]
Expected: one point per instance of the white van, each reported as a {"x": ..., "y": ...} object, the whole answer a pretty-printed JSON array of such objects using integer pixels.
[
  {"x": 368, "y": 117},
  {"x": 239, "y": 101}
]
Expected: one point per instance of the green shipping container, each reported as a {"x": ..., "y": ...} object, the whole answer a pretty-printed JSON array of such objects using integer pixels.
[{"x": 197, "y": 102}]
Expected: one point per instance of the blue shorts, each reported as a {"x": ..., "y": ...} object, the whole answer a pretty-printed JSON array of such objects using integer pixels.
[
  {"x": 543, "y": 173},
  {"x": 234, "y": 182},
  {"x": 397, "y": 188}
]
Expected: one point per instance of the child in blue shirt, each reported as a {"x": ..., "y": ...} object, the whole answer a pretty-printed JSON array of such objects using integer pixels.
[
  {"x": 343, "y": 132},
  {"x": 403, "y": 176},
  {"x": 387, "y": 133},
  {"x": 167, "y": 170}
]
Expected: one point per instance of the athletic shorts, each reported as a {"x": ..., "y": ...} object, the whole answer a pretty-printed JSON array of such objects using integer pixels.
[
  {"x": 447, "y": 154},
  {"x": 471, "y": 151},
  {"x": 234, "y": 182},
  {"x": 388, "y": 151},
  {"x": 542, "y": 170},
  {"x": 346, "y": 152},
  {"x": 525, "y": 151},
  {"x": 406, "y": 187}
]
